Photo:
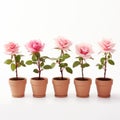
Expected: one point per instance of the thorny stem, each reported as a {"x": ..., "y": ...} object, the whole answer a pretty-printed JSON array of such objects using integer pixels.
[
  {"x": 61, "y": 69},
  {"x": 105, "y": 69},
  {"x": 16, "y": 68},
  {"x": 82, "y": 70},
  {"x": 39, "y": 70}
]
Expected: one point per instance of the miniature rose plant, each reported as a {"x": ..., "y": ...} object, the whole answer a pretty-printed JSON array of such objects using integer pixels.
[
  {"x": 107, "y": 48},
  {"x": 84, "y": 52},
  {"x": 35, "y": 47},
  {"x": 63, "y": 45},
  {"x": 15, "y": 60}
]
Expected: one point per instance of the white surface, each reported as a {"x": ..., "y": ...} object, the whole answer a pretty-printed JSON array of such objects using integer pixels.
[{"x": 78, "y": 20}]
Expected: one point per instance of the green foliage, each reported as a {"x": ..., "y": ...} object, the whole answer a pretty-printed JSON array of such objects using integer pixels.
[
  {"x": 36, "y": 71},
  {"x": 76, "y": 63},
  {"x": 47, "y": 67},
  {"x": 61, "y": 62},
  {"x": 39, "y": 61},
  {"x": 29, "y": 62},
  {"x": 80, "y": 62},
  {"x": 111, "y": 62},
  {"x": 99, "y": 66},
  {"x": 8, "y": 61},
  {"x": 85, "y": 65},
  {"x": 69, "y": 70},
  {"x": 104, "y": 60},
  {"x": 13, "y": 66},
  {"x": 15, "y": 62}
]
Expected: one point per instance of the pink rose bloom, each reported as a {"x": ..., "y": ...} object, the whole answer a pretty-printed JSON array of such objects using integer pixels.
[
  {"x": 63, "y": 43},
  {"x": 84, "y": 50},
  {"x": 35, "y": 46},
  {"x": 107, "y": 46},
  {"x": 11, "y": 48}
]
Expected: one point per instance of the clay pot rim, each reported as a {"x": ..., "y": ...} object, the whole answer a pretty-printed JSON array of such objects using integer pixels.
[
  {"x": 59, "y": 78},
  {"x": 17, "y": 79},
  {"x": 103, "y": 79},
  {"x": 82, "y": 79},
  {"x": 37, "y": 78}
]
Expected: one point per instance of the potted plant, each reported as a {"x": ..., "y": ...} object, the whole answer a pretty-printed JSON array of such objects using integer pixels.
[
  {"x": 61, "y": 83},
  {"x": 82, "y": 84},
  {"x": 104, "y": 84},
  {"x": 17, "y": 84},
  {"x": 39, "y": 84}
]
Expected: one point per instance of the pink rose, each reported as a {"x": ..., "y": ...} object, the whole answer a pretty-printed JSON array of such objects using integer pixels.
[
  {"x": 63, "y": 43},
  {"x": 107, "y": 46},
  {"x": 35, "y": 46},
  {"x": 84, "y": 50},
  {"x": 11, "y": 48}
]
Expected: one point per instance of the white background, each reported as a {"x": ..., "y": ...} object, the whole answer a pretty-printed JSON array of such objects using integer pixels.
[{"x": 78, "y": 20}]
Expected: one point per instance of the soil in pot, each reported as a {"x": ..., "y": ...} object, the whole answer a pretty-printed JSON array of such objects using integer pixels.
[
  {"x": 61, "y": 86},
  {"x": 39, "y": 86},
  {"x": 17, "y": 86},
  {"x": 104, "y": 86},
  {"x": 82, "y": 86}
]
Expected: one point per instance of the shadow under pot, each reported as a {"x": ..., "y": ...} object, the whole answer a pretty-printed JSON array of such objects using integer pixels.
[
  {"x": 104, "y": 86},
  {"x": 82, "y": 86},
  {"x": 60, "y": 86},
  {"x": 17, "y": 86},
  {"x": 39, "y": 86}
]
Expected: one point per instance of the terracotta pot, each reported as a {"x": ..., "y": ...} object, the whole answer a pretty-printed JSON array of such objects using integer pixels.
[
  {"x": 82, "y": 86},
  {"x": 61, "y": 86},
  {"x": 104, "y": 86},
  {"x": 39, "y": 86},
  {"x": 17, "y": 86}
]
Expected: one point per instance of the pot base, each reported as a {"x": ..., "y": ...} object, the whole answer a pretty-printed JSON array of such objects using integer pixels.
[
  {"x": 16, "y": 96},
  {"x": 104, "y": 96},
  {"x": 82, "y": 96},
  {"x": 61, "y": 96},
  {"x": 39, "y": 96}
]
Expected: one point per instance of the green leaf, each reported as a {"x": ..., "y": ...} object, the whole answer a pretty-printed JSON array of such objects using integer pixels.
[
  {"x": 29, "y": 62},
  {"x": 65, "y": 56},
  {"x": 111, "y": 62},
  {"x": 61, "y": 59},
  {"x": 47, "y": 67},
  {"x": 35, "y": 71},
  {"x": 37, "y": 54},
  {"x": 34, "y": 62},
  {"x": 102, "y": 60},
  {"x": 8, "y": 61},
  {"x": 13, "y": 67},
  {"x": 53, "y": 65},
  {"x": 17, "y": 57},
  {"x": 99, "y": 66},
  {"x": 42, "y": 64},
  {"x": 85, "y": 65},
  {"x": 69, "y": 70},
  {"x": 63, "y": 65},
  {"x": 109, "y": 56},
  {"x": 34, "y": 57},
  {"x": 80, "y": 58},
  {"x": 76, "y": 63},
  {"x": 22, "y": 63}
]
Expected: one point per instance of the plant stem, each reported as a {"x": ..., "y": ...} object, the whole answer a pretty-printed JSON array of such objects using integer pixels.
[
  {"x": 39, "y": 70},
  {"x": 16, "y": 70},
  {"x": 105, "y": 69},
  {"x": 61, "y": 69},
  {"x": 82, "y": 70}
]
